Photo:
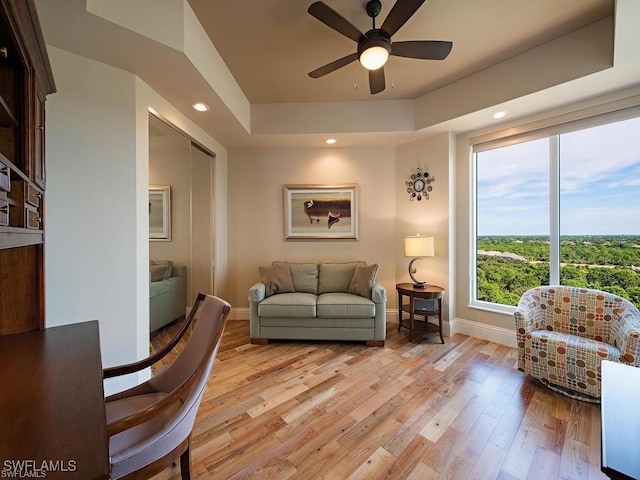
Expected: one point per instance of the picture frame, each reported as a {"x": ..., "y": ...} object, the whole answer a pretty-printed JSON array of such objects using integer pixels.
[
  {"x": 160, "y": 213},
  {"x": 320, "y": 212}
]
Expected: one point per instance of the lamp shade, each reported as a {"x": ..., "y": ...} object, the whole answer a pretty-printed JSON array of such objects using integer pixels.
[{"x": 418, "y": 246}]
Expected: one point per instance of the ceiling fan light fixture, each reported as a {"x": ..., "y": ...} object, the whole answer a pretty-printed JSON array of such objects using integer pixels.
[
  {"x": 374, "y": 57},
  {"x": 374, "y": 45},
  {"x": 374, "y": 52}
]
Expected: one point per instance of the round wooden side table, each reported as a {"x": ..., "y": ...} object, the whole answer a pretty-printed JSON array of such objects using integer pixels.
[{"x": 432, "y": 307}]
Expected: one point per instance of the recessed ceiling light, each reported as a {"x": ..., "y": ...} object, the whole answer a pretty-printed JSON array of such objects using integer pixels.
[
  {"x": 500, "y": 114},
  {"x": 331, "y": 141},
  {"x": 201, "y": 107}
]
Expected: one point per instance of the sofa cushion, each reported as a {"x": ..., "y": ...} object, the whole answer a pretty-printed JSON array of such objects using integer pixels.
[
  {"x": 277, "y": 279},
  {"x": 294, "y": 305},
  {"x": 345, "y": 305},
  {"x": 304, "y": 276},
  {"x": 336, "y": 277},
  {"x": 163, "y": 286},
  {"x": 364, "y": 278}
]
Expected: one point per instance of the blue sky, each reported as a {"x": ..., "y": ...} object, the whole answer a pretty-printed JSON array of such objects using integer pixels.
[{"x": 599, "y": 184}]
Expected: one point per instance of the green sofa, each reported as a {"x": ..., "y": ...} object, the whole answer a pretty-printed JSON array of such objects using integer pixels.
[
  {"x": 167, "y": 293},
  {"x": 318, "y": 301}
]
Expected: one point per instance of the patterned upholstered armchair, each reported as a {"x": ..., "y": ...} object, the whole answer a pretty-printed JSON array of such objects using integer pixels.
[{"x": 564, "y": 333}]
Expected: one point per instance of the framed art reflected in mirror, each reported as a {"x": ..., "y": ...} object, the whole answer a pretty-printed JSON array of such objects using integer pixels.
[{"x": 159, "y": 213}]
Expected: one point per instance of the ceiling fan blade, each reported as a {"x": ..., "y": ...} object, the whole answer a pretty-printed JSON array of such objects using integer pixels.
[
  {"x": 376, "y": 80},
  {"x": 401, "y": 11},
  {"x": 333, "y": 66},
  {"x": 333, "y": 19},
  {"x": 424, "y": 49}
]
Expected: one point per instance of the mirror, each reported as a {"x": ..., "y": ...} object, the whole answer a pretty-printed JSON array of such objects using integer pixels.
[{"x": 182, "y": 170}]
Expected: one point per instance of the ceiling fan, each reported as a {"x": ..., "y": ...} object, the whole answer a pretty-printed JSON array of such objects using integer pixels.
[{"x": 375, "y": 46}]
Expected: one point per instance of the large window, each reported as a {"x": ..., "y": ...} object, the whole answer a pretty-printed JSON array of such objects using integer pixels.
[{"x": 558, "y": 206}]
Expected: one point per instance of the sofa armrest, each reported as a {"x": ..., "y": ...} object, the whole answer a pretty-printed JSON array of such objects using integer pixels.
[
  {"x": 179, "y": 271},
  {"x": 378, "y": 294},
  {"x": 625, "y": 336},
  {"x": 167, "y": 301},
  {"x": 379, "y": 297},
  {"x": 257, "y": 293}
]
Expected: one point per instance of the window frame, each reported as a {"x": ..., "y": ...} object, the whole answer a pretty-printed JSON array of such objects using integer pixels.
[{"x": 550, "y": 128}]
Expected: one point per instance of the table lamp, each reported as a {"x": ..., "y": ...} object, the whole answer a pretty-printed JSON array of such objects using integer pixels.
[{"x": 418, "y": 246}]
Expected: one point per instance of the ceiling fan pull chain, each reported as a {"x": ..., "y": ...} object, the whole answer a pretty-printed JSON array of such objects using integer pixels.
[
  {"x": 355, "y": 75},
  {"x": 393, "y": 63}
]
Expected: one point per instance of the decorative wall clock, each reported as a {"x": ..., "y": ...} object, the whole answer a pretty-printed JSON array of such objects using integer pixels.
[{"x": 419, "y": 185}]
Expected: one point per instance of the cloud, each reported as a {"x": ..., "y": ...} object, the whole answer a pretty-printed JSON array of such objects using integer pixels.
[
  {"x": 599, "y": 183},
  {"x": 600, "y": 154}
]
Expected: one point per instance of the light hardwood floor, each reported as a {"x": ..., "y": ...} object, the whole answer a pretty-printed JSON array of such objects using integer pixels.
[{"x": 410, "y": 410}]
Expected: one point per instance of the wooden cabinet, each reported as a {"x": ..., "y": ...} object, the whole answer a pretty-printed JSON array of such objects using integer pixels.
[{"x": 25, "y": 81}]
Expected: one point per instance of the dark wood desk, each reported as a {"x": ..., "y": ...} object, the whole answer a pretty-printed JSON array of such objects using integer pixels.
[
  {"x": 620, "y": 420},
  {"x": 430, "y": 292},
  {"x": 52, "y": 404}
]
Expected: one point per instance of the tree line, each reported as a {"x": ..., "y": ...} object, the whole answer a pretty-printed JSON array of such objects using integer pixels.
[{"x": 605, "y": 263}]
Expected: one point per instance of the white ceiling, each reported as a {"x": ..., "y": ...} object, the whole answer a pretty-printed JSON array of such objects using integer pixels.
[{"x": 269, "y": 46}]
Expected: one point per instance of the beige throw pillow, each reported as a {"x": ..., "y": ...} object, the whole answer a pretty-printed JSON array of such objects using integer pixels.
[
  {"x": 277, "y": 279},
  {"x": 158, "y": 272},
  {"x": 364, "y": 278},
  {"x": 304, "y": 276}
]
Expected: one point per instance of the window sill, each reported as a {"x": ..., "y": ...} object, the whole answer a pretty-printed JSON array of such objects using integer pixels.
[{"x": 492, "y": 307}]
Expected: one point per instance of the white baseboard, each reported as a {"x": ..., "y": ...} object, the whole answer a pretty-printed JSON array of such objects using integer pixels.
[
  {"x": 503, "y": 336},
  {"x": 239, "y": 314}
]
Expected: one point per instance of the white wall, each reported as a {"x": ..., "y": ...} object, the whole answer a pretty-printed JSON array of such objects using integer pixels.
[
  {"x": 256, "y": 231},
  {"x": 97, "y": 247},
  {"x": 434, "y": 155},
  {"x": 90, "y": 269},
  {"x": 386, "y": 214}
]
